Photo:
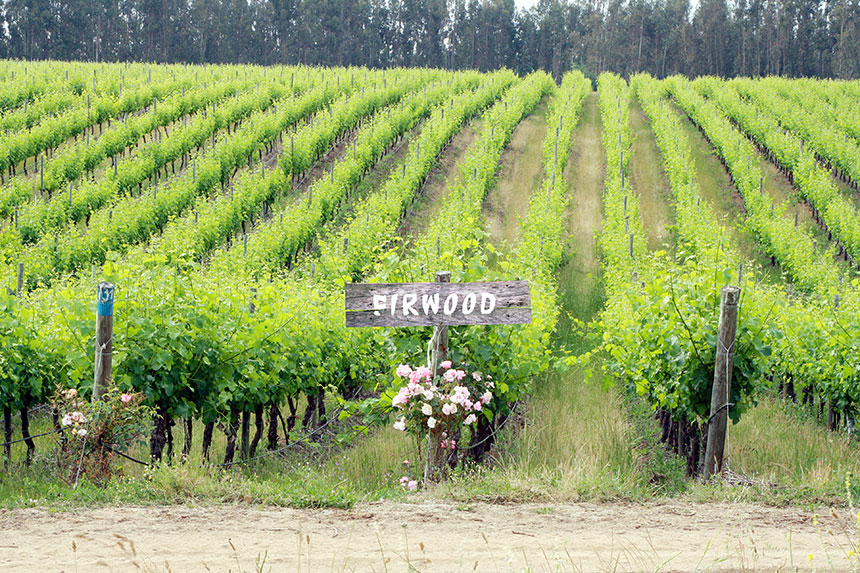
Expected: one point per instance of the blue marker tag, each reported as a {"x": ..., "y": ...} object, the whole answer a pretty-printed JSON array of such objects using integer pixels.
[{"x": 104, "y": 299}]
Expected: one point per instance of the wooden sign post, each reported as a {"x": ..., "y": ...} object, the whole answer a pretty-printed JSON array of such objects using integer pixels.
[{"x": 439, "y": 304}]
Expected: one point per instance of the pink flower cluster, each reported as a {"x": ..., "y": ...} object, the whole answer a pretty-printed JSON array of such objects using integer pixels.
[
  {"x": 419, "y": 384},
  {"x": 439, "y": 403},
  {"x": 409, "y": 484},
  {"x": 445, "y": 444},
  {"x": 73, "y": 418}
]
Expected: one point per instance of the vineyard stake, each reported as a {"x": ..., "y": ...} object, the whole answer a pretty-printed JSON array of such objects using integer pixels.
[
  {"x": 20, "y": 278},
  {"x": 246, "y": 416},
  {"x": 721, "y": 392},
  {"x": 104, "y": 338}
]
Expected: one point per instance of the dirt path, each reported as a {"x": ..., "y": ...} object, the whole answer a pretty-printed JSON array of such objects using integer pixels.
[
  {"x": 426, "y": 536},
  {"x": 649, "y": 180},
  {"x": 520, "y": 173},
  {"x": 445, "y": 174}
]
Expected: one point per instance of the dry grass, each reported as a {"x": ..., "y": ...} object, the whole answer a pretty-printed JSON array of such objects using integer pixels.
[
  {"x": 649, "y": 180},
  {"x": 584, "y": 174},
  {"x": 375, "y": 463},
  {"x": 775, "y": 442},
  {"x": 521, "y": 172}
]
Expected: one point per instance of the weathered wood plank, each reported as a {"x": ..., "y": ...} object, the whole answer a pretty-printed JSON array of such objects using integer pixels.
[
  {"x": 437, "y": 304},
  {"x": 359, "y": 296},
  {"x": 365, "y": 318}
]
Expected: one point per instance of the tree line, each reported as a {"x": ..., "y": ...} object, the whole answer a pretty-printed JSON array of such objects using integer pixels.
[{"x": 743, "y": 37}]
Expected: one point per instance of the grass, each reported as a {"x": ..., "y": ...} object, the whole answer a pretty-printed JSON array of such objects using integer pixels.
[
  {"x": 439, "y": 182},
  {"x": 520, "y": 173},
  {"x": 650, "y": 182},
  {"x": 716, "y": 187},
  {"x": 780, "y": 442}
]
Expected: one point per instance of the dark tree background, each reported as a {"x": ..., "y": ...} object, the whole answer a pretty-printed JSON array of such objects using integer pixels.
[{"x": 740, "y": 37}]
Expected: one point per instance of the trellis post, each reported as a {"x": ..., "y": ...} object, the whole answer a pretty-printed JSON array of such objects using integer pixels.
[{"x": 104, "y": 338}]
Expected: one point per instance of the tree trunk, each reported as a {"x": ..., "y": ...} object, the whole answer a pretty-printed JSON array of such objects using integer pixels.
[
  {"x": 807, "y": 395},
  {"x": 671, "y": 443},
  {"x": 693, "y": 459},
  {"x": 246, "y": 429},
  {"x": 789, "y": 390},
  {"x": 832, "y": 419},
  {"x": 159, "y": 435},
  {"x": 682, "y": 437},
  {"x": 170, "y": 440},
  {"x": 274, "y": 413},
  {"x": 321, "y": 416},
  {"x": 258, "y": 423},
  {"x": 291, "y": 420},
  {"x": 310, "y": 411},
  {"x": 189, "y": 435},
  {"x": 207, "y": 439},
  {"x": 232, "y": 430},
  {"x": 481, "y": 440},
  {"x": 25, "y": 432}
]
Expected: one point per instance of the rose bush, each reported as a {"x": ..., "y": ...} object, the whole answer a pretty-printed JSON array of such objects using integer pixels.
[
  {"x": 435, "y": 408},
  {"x": 90, "y": 433}
]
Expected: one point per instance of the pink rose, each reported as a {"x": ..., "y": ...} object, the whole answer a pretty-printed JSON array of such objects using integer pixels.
[
  {"x": 445, "y": 364},
  {"x": 470, "y": 419},
  {"x": 412, "y": 485},
  {"x": 424, "y": 372},
  {"x": 403, "y": 370},
  {"x": 125, "y": 398},
  {"x": 400, "y": 399}
]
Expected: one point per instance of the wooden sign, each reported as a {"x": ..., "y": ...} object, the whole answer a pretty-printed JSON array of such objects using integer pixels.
[{"x": 437, "y": 303}]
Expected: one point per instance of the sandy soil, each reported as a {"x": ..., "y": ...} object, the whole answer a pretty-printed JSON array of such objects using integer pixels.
[{"x": 426, "y": 536}]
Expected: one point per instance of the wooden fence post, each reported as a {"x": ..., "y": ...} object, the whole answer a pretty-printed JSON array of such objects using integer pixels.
[
  {"x": 719, "y": 418},
  {"x": 441, "y": 332},
  {"x": 104, "y": 338}
]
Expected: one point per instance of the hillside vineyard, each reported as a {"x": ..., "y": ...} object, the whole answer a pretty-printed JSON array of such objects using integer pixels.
[{"x": 230, "y": 206}]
